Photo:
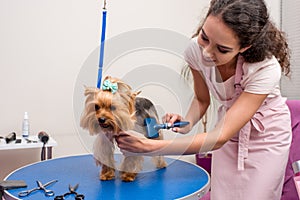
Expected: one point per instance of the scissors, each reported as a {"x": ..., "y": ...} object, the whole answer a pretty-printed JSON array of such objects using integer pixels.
[
  {"x": 48, "y": 193},
  {"x": 72, "y": 190}
]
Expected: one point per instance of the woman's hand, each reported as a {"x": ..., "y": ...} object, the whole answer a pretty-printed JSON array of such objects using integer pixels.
[
  {"x": 133, "y": 143},
  {"x": 171, "y": 118}
]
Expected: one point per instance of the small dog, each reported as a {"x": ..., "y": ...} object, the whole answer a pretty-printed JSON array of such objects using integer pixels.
[{"x": 109, "y": 110}]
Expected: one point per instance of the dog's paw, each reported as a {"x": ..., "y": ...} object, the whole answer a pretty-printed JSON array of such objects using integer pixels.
[
  {"x": 128, "y": 177},
  {"x": 107, "y": 173},
  {"x": 159, "y": 162},
  {"x": 107, "y": 177}
]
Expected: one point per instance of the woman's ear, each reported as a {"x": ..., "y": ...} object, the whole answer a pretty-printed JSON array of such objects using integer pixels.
[{"x": 242, "y": 50}]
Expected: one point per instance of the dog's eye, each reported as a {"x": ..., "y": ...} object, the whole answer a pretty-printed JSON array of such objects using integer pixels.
[
  {"x": 112, "y": 108},
  {"x": 97, "y": 107}
]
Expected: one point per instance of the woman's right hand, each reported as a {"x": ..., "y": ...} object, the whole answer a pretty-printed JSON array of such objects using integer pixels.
[{"x": 171, "y": 118}]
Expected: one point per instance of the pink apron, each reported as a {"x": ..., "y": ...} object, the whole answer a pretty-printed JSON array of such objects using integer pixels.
[{"x": 251, "y": 165}]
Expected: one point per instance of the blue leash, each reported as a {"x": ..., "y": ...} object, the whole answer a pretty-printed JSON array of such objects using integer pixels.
[{"x": 101, "y": 57}]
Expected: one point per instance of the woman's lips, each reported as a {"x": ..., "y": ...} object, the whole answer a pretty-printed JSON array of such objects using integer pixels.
[{"x": 208, "y": 59}]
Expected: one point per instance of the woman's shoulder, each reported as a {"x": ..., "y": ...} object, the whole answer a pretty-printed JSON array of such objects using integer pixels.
[
  {"x": 268, "y": 65},
  {"x": 267, "y": 62},
  {"x": 262, "y": 77}
]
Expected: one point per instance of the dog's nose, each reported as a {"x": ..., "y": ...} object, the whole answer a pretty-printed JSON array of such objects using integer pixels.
[{"x": 101, "y": 120}]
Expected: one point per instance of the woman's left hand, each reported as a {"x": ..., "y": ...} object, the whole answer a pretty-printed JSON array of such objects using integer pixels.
[{"x": 133, "y": 143}]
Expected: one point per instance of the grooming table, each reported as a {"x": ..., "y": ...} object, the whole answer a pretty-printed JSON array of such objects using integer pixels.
[{"x": 180, "y": 180}]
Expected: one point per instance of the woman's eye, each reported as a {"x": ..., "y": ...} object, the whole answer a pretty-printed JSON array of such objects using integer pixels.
[
  {"x": 221, "y": 50},
  {"x": 112, "y": 108},
  {"x": 204, "y": 38},
  {"x": 97, "y": 107}
]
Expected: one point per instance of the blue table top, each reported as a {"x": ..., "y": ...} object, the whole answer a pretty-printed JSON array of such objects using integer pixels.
[{"x": 179, "y": 180}]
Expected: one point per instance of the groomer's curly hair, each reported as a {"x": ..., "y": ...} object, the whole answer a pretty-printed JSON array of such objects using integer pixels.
[{"x": 249, "y": 19}]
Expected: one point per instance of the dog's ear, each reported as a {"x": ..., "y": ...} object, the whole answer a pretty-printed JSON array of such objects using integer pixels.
[
  {"x": 108, "y": 77},
  {"x": 132, "y": 101},
  {"x": 133, "y": 95},
  {"x": 90, "y": 91},
  {"x": 136, "y": 93},
  {"x": 122, "y": 86},
  {"x": 87, "y": 120}
]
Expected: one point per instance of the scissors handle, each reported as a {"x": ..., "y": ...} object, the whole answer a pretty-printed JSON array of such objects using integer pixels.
[
  {"x": 23, "y": 193},
  {"x": 60, "y": 197},
  {"x": 26, "y": 192},
  {"x": 79, "y": 197},
  {"x": 49, "y": 193}
]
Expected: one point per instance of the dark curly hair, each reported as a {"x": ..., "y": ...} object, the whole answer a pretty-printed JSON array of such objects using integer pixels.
[{"x": 249, "y": 19}]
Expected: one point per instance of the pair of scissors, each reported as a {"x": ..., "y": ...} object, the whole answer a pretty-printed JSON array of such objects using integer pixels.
[
  {"x": 48, "y": 193},
  {"x": 72, "y": 190}
]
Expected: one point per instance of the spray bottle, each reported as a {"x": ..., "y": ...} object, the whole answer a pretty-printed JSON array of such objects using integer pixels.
[{"x": 25, "y": 126}]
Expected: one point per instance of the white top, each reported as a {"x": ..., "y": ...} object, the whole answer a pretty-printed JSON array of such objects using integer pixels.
[{"x": 258, "y": 78}]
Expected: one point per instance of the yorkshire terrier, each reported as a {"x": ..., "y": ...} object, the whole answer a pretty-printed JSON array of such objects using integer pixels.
[{"x": 109, "y": 110}]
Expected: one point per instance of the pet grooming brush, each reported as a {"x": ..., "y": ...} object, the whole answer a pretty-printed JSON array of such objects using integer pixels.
[{"x": 152, "y": 127}]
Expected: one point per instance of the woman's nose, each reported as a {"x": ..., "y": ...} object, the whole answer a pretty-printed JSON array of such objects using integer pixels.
[{"x": 208, "y": 51}]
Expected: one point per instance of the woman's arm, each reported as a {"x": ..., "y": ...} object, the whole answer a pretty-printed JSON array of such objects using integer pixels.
[
  {"x": 198, "y": 105},
  {"x": 201, "y": 100},
  {"x": 235, "y": 118}
]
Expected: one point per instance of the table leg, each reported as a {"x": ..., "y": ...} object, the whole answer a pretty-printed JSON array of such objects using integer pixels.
[
  {"x": 49, "y": 152},
  {"x": 43, "y": 153}
]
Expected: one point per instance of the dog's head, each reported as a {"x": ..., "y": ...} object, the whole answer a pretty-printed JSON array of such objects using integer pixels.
[{"x": 109, "y": 109}]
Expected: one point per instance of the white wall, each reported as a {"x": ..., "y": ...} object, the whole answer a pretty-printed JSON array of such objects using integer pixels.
[
  {"x": 290, "y": 25},
  {"x": 45, "y": 43}
]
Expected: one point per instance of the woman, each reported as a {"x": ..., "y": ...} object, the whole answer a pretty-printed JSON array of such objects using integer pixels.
[{"x": 238, "y": 56}]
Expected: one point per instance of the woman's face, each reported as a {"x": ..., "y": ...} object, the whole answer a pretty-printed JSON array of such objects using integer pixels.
[{"x": 220, "y": 44}]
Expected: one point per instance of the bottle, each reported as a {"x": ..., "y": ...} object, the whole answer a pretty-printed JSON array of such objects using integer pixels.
[
  {"x": 25, "y": 126},
  {"x": 296, "y": 168}
]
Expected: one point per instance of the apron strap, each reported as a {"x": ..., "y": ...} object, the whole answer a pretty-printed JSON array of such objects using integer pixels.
[
  {"x": 238, "y": 75},
  {"x": 244, "y": 133}
]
